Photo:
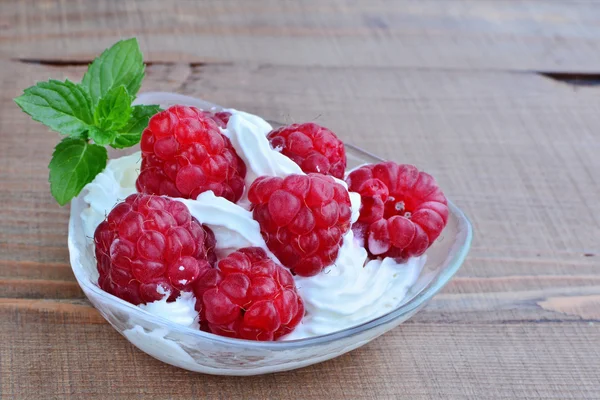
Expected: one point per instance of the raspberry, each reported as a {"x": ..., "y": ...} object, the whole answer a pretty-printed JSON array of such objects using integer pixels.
[
  {"x": 221, "y": 117},
  {"x": 149, "y": 246},
  {"x": 302, "y": 219},
  {"x": 249, "y": 296},
  {"x": 403, "y": 210},
  {"x": 184, "y": 154},
  {"x": 313, "y": 147}
]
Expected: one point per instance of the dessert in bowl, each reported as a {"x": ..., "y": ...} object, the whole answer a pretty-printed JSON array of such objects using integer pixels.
[{"x": 276, "y": 263}]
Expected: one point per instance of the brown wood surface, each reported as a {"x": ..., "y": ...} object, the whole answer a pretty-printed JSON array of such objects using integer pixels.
[{"x": 478, "y": 93}]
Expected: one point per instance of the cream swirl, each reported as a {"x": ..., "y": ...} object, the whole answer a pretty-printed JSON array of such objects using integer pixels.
[
  {"x": 248, "y": 135},
  {"x": 232, "y": 225},
  {"x": 108, "y": 188},
  {"x": 353, "y": 290},
  {"x": 181, "y": 311}
]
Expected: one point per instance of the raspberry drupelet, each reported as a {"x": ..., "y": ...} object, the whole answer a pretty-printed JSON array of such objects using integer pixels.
[
  {"x": 302, "y": 219},
  {"x": 248, "y": 296},
  {"x": 221, "y": 117},
  {"x": 149, "y": 246},
  {"x": 402, "y": 210},
  {"x": 311, "y": 146},
  {"x": 185, "y": 154}
]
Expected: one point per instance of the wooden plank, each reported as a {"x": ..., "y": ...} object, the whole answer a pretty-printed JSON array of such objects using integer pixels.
[
  {"x": 456, "y": 34},
  {"x": 63, "y": 355}
]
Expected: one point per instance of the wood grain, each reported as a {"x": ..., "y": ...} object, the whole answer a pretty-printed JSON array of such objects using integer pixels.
[
  {"x": 450, "y": 86},
  {"x": 480, "y": 34},
  {"x": 64, "y": 355}
]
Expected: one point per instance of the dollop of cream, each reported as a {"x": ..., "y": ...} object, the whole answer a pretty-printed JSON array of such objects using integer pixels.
[
  {"x": 354, "y": 206},
  {"x": 108, "y": 188},
  {"x": 158, "y": 344},
  {"x": 232, "y": 225},
  {"x": 181, "y": 311},
  {"x": 352, "y": 291},
  {"x": 248, "y": 135}
]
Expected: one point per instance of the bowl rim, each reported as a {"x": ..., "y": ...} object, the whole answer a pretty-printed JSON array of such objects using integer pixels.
[{"x": 442, "y": 278}]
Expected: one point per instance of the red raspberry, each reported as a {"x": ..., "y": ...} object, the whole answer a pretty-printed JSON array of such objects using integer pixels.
[
  {"x": 151, "y": 245},
  {"x": 313, "y": 147},
  {"x": 403, "y": 210},
  {"x": 184, "y": 154},
  {"x": 221, "y": 117},
  {"x": 248, "y": 297},
  {"x": 302, "y": 219}
]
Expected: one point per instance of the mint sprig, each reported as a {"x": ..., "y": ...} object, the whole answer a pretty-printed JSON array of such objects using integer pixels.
[
  {"x": 74, "y": 164},
  {"x": 114, "y": 109},
  {"x": 131, "y": 133},
  {"x": 62, "y": 106},
  {"x": 122, "y": 64},
  {"x": 92, "y": 114}
]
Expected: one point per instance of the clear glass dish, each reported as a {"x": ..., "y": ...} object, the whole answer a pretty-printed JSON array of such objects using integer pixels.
[{"x": 199, "y": 351}]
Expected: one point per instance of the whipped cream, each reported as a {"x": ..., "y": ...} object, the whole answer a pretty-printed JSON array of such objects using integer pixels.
[
  {"x": 232, "y": 225},
  {"x": 181, "y": 311},
  {"x": 108, "y": 188},
  {"x": 157, "y": 343},
  {"x": 352, "y": 291},
  {"x": 247, "y": 133},
  {"x": 347, "y": 294}
]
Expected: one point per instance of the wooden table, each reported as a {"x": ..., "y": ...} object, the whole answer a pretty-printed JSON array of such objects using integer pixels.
[{"x": 497, "y": 99}]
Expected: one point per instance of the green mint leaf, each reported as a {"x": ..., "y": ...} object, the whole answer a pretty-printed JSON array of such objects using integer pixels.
[
  {"x": 101, "y": 136},
  {"x": 62, "y": 106},
  {"x": 74, "y": 164},
  {"x": 132, "y": 132},
  {"x": 122, "y": 64},
  {"x": 114, "y": 109},
  {"x": 124, "y": 140},
  {"x": 140, "y": 116}
]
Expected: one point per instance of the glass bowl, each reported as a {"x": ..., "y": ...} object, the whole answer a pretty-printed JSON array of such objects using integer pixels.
[{"x": 199, "y": 351}]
